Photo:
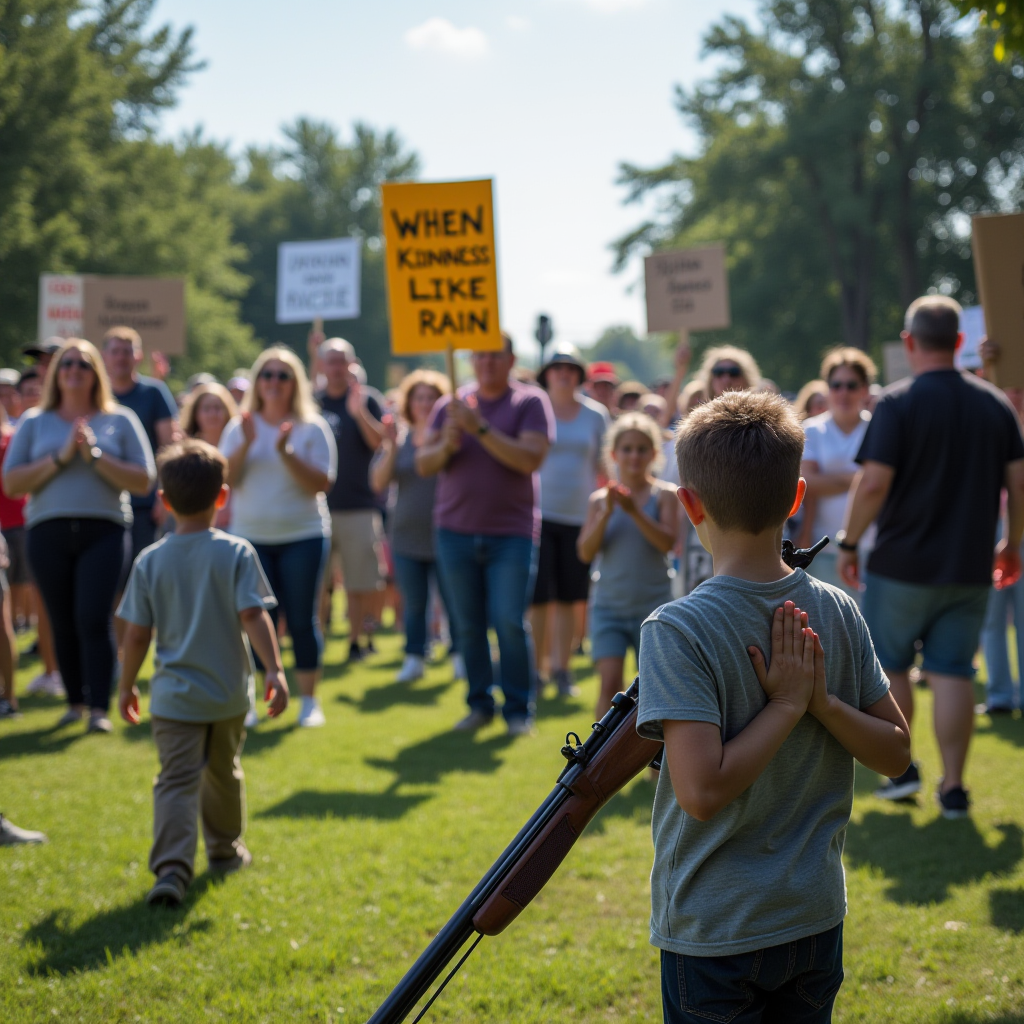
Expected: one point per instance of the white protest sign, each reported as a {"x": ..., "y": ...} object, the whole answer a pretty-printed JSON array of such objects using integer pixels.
[
  {"x": 61, "y": 305},
  {"x": 972, "y": 323},
  {"x": 318, "y": 280}
]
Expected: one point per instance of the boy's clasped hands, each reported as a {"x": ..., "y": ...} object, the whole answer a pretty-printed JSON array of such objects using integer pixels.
[{"x": 795, "y": 676}]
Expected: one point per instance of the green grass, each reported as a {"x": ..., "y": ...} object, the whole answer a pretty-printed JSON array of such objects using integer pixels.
[{"x": 368, "y": 833}]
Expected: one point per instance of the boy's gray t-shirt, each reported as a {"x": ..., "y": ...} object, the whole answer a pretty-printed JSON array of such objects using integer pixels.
[
  {"x": 191, "y": 588},
  {"x": 767, "y": 868}
]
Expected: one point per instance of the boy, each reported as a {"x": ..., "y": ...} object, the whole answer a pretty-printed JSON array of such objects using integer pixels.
[
  {"x": 201, "y": 589},
  {"x": 747, "y": 890}
]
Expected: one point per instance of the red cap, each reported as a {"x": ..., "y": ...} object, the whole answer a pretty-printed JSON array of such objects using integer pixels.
[{"x": 602, "y": 372}]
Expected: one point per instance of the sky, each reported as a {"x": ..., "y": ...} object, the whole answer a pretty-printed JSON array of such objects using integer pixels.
[{"x": 546, "y": 97}]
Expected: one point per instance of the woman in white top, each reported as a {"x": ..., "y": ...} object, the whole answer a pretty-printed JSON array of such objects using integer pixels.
[
  {"x": 832, "y": 442},
  {"x": 281, "y": 460}
]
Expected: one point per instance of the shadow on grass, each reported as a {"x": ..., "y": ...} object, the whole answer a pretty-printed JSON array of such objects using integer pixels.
[
  {"x": 633, "y": 804},
  {"x": 381, "y": 698},
  {"x": 307, "y": 803},
  {"x": 1006, "y": 909},
  {"x": 988, "y": 1017},
  {"x": 40, "y": 741},
  {"x": 433, "y": 758},
  {"x": 1006, "y": 728},
  {"x": 99, "y": 941},
  {"x": 922, "y": 863}
]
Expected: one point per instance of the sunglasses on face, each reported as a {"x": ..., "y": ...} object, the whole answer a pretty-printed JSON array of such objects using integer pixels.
[
  {"x": 727, "y": 371},
  {"x": 67, "y": 364},
  {"x": 849, "y": 385},
  {"x": 279, "y": 375}
]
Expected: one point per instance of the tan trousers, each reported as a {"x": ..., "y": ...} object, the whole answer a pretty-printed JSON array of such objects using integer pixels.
[{"x": 200, "y": 776}]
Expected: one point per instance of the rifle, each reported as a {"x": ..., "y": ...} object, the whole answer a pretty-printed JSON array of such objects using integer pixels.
[{"x": 612, "y": 755}]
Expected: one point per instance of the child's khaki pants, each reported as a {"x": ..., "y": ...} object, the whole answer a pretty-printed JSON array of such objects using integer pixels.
[{"x": 200, "y": 776}]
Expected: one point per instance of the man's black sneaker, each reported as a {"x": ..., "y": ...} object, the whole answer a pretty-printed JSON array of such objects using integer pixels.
[
  {"x": 955, "y": 802},
  {"x": 900, "y": 788},
  {"x": 8, "y": 710},
  {"x": 355, "y": 652},
  {"x": 371, "y": 647}
]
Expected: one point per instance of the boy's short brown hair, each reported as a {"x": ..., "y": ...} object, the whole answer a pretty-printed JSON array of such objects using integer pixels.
[
  {"x": 192, "y": 473},
  {"x": 741, "y": 453}
]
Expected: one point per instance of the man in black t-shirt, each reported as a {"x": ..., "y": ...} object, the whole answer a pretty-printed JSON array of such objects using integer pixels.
[
  {"x": 356, "y": 528},
  {"x": 938, "y": 451},
  {"x": 153, "y": 403}
]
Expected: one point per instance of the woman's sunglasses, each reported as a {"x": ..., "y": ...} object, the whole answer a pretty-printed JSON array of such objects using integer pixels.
[
  {"x": 67, "y": 364},
  {"x": 276, "y": 375},
  {"x": 726, "y": 371},
  {"x": 849, "y": 385}
]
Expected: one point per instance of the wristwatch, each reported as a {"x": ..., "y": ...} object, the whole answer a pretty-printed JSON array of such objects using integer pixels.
[
  {"x": 483, "y": 428},
  {"x": 841, "y": 542}
]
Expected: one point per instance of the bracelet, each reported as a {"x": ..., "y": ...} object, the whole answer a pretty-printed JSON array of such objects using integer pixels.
[{"x": 841, "y": 542}]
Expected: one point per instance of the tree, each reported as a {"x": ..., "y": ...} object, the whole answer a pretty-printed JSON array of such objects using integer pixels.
[
  {"x": 1005, "y": 18},
  {"x": 643, "y": 360},
  {"x": 74, "y": 81},
  {"x": 320, "y": 187},
  {"x": 844, "y": 147}
]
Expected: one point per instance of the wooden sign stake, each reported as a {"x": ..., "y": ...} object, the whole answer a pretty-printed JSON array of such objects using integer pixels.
[{"x": 449, "y": 361}]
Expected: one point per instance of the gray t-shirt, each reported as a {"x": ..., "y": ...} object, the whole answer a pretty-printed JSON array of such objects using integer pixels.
[
  {"x": 569, "y": 474},
  {"x": 412, "y": 517},
  {"x": 191, "y": 587},
  {"x": 78, "y": 491},
  {"x": 767, "y": 868}
]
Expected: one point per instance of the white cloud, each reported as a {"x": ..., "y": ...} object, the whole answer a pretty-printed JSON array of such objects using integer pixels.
[
  {"x": 516, "y": 23},
  {"x": 441, "y": 36}
]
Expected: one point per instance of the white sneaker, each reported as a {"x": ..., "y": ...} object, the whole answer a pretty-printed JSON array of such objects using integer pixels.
[
  {"x": 48, "y": 683},
  {"x": 458, "y": 667},
  {"x": 412, "y": 669},
  {"x": 252, "y": 719},
  {"x": 311, "y": 716}
]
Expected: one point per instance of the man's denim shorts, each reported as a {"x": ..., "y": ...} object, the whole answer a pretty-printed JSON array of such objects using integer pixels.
[{"x": 947, "y": 620}]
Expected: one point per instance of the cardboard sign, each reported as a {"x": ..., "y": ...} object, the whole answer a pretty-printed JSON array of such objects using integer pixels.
[
  {"x": 154, "y": 306},
  {"x": 441, "y": 267},
  {"x": 318, "y": 279},
  {"x": 687, "y": 290},
  {"x": 895, "y": 364},
  {"x": 60, "y": 305},
  {"x": 88, "y": 305},
  {"x": 997, "y": 241}
]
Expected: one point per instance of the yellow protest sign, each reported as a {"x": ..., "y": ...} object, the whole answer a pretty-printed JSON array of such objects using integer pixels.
[{"x": 441, "y": 269}]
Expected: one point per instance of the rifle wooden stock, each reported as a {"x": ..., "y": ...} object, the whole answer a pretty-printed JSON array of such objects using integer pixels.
[{"x": 623, "y": 757}]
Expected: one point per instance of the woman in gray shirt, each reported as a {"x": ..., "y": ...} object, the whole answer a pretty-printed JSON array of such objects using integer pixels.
[
  {"x": 79, "y": 456},
  {"x": 567, "y": 479},
  {"x": 411, "y": 518}
]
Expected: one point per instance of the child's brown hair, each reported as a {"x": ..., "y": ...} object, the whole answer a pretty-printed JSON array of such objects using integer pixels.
[
  {"x": 741, "y": 453},
  {"x": 192, "y": 473}
]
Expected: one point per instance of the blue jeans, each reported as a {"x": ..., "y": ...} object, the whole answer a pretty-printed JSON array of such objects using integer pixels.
[
  {"x": 295, "y": 571},
  {"x": 490, "y": 580},
  {"x": 413, "y": 577},
  {"x": 1002, "y": 605},
  {"x": 794, "y": 983}
]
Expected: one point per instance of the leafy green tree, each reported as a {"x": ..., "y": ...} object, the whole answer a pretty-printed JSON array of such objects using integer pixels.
[
  {"x": 75, "y": 79},
  {"x": 319, "y": 186},
  {"x": 844, "y": 147},
  {"x": 1005, "y": 18},
  {"x": 635, "y": 358}
]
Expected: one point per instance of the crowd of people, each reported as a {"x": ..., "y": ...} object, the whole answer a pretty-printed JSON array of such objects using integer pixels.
[{"x": 538, "y": 508}]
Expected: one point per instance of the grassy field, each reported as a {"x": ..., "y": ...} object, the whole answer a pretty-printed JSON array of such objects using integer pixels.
[{"x": 368, "y": 833}]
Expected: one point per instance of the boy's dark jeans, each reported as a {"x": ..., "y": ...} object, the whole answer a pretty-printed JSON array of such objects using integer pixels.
[{"x": 795, "y": 983}]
